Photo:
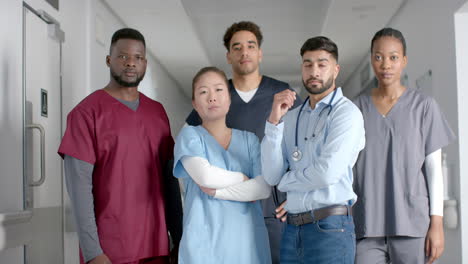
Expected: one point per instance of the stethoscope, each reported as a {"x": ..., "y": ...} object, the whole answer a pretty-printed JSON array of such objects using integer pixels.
[{"x": 297, "y": 154}]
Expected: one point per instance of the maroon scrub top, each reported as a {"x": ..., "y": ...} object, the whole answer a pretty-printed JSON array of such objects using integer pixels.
[{"x": 129, "y": 150}]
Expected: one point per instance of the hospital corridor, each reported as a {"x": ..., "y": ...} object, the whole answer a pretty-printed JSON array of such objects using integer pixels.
[{"x": 93, "y": 91}]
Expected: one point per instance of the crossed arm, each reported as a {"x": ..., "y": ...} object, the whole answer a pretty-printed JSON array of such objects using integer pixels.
[{"x": 224, "y": 184}]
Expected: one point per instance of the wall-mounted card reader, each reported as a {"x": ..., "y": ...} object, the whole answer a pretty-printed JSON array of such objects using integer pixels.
[{"x": 44, "y": 103}]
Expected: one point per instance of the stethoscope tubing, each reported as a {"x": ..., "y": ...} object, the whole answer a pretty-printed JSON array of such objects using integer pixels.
[{"x": 329, "y": 105}]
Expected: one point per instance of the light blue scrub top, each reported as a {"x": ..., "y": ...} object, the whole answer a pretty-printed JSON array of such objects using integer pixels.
[{"x": 219, "y": 231}]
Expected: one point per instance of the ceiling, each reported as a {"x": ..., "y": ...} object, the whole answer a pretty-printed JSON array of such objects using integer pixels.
[{"x": 186, "y": 35}]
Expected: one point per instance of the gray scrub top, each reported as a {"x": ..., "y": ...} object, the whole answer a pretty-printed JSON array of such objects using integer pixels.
[{"x": 389, "y": 178}]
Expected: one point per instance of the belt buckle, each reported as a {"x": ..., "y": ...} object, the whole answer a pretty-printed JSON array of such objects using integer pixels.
[
  {"x": 296, "y": 219},
  {"x": 302, "y": 218}
]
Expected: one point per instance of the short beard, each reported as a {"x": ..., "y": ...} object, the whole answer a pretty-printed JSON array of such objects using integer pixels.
[
  {"x": 247, "y": 71},
  {"x": 123, "y": 83},
  {"x": 325, "y": 86}
]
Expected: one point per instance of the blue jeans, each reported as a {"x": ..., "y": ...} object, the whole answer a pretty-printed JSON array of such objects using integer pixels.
[{"x": 330, "y": 240}]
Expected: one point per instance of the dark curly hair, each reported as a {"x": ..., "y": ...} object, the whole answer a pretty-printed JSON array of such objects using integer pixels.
[{"x": 242, "y": 26}]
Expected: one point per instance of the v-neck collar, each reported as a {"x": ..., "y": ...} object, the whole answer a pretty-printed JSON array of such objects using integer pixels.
[
  {"x": 234, "y": 92},
  {"x": 216, "y": 142},
  {"x": 120, "y": 104},
  {"x": 392, "y": 109}
]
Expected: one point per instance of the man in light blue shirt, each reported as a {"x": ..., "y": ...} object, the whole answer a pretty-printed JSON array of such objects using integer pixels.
[{"x": 310, "y": 152}]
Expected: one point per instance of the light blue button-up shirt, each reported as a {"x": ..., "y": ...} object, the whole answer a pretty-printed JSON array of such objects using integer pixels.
[{"x": 330, "y": 144}]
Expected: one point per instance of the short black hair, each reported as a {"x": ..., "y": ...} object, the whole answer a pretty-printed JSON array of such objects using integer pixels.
[
  {"x": 127, "y": 33},
  {"x": 320, "y": 43},
  {"x": 242, "y": 26},
  {"x": 390, "y": 32}
]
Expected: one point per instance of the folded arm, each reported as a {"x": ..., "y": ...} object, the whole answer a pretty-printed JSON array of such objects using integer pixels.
[
  {"x": 207, "y": 175},
  {"x": 250, "y": 190}
]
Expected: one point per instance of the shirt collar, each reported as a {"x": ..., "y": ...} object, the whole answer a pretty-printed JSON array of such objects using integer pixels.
[{"x": 324, "y": 102}]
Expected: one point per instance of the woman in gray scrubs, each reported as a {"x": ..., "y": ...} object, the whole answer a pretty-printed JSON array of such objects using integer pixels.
[{"x": 398, "y": 178}]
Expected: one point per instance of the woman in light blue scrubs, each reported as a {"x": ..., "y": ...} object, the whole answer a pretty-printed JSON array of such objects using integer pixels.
[{"x": 220, "y": 168}]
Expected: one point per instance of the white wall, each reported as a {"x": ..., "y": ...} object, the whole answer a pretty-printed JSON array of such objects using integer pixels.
[
  {"x": 461, "y": 33},
  {"x": 428, "y": 26}
]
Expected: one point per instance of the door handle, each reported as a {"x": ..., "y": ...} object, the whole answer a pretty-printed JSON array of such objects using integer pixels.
[{"x": 42, "y": 143}]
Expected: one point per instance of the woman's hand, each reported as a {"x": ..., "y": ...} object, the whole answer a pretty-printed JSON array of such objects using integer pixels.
[
  {"x": 209, "y": 191},
  {"x": 434, "y": 246}
]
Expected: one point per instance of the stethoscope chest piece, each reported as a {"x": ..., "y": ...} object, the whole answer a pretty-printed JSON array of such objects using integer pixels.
[{"x": 297, "y": 154}]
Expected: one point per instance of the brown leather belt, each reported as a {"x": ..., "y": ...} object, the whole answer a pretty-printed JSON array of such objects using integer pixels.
[{"x": 316, "y": 215}]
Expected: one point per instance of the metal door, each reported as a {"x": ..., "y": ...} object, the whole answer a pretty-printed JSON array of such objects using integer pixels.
[{"x": 43, "y": 186}]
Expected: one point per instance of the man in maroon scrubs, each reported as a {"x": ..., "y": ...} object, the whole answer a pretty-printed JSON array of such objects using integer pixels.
[{"x": 115, "y": 148}]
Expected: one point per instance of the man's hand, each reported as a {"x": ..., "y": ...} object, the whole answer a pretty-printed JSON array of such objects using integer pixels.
[
  {"x": 209, "y": 191},
  {"x": 101, "y": 259},
  {"x": 282, "y": 102},
  {"x": 435, "y": 239},
  {"x": 281, "y": 212}
]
